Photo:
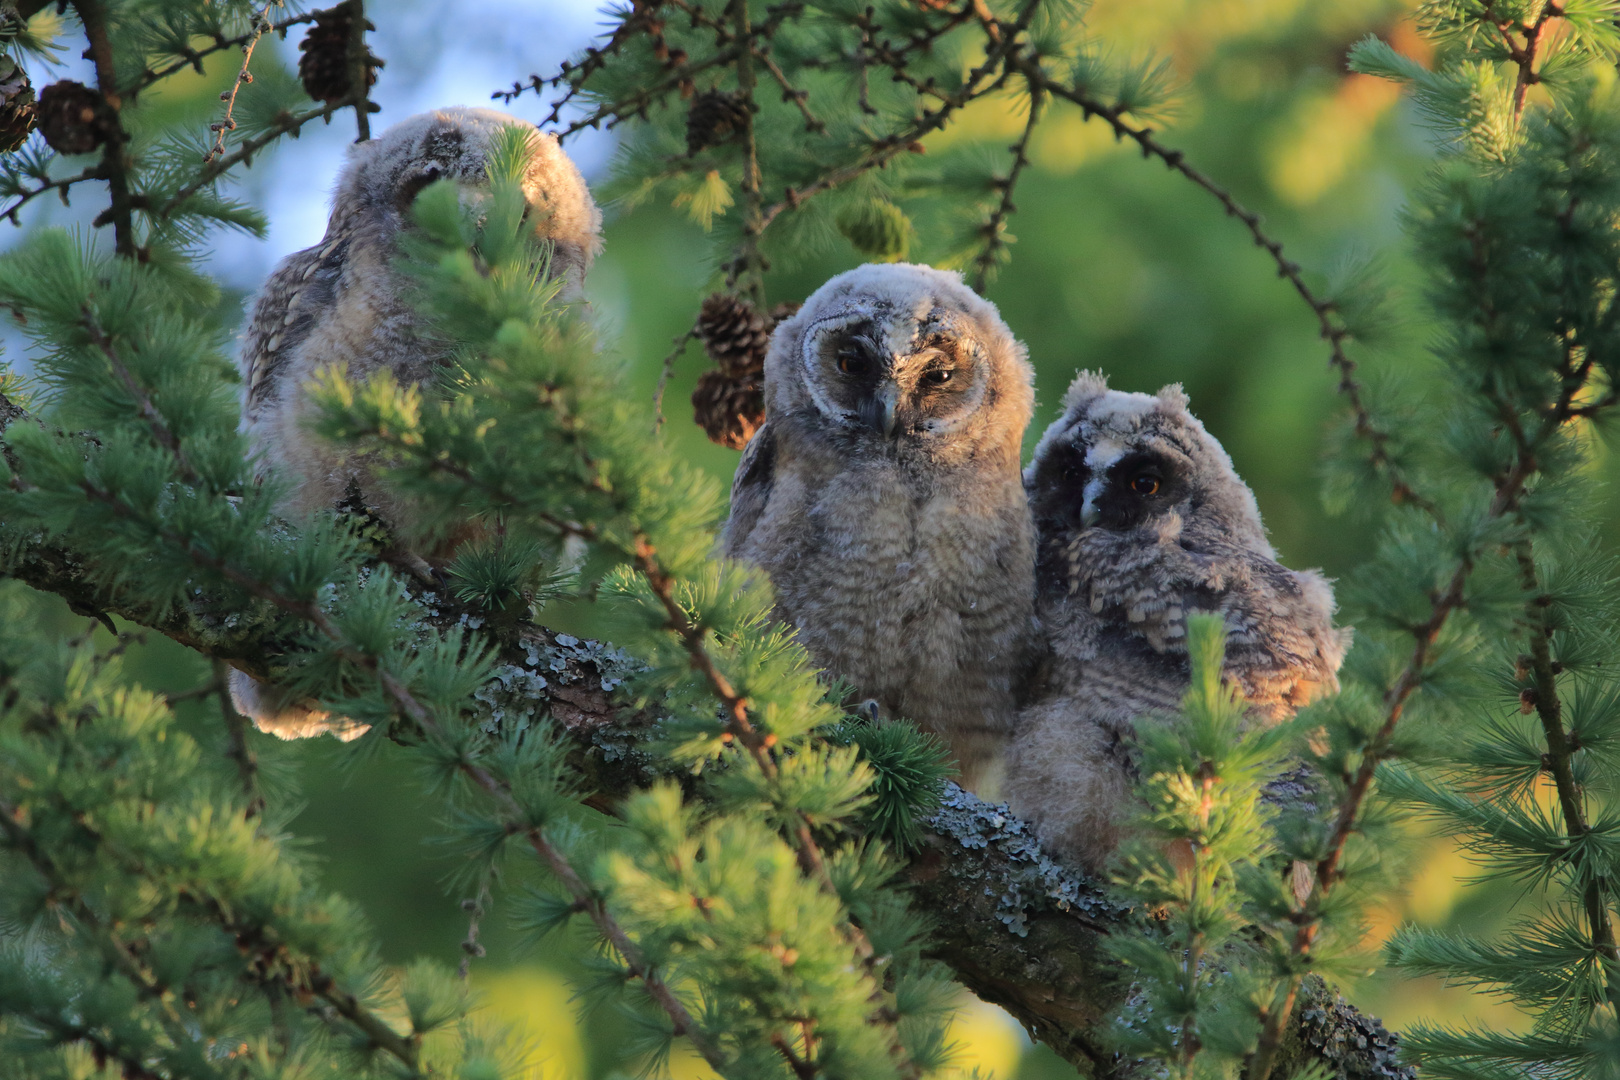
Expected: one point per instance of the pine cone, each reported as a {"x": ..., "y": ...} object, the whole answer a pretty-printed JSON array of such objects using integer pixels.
[
  {"x": 18, "y": 112},
  {"x": 729, "y": 404},
  {"x": 73, "y": 118},
  {"x": 327, "y": 63},
  {"x": 728, "y": 408},
  {"x": 715, "y": 116},
  {"x": 734, "y": 334}
]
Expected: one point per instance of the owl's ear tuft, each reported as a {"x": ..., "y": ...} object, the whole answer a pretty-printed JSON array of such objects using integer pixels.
[
  {"x": 1173, "y": 396},
  {"x": 1086, "y": 386}
]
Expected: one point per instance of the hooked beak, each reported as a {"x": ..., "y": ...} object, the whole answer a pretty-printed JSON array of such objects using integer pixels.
[
  {"x": 1089, "y": 514},
  {"x": 879, "y": 411}
]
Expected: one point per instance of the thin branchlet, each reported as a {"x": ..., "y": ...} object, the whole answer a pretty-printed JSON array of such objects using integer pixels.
[
  {"x": 261, "y": 26},
  {"x": 193, "y": 58},
  {"x": 994, "y": 229}
]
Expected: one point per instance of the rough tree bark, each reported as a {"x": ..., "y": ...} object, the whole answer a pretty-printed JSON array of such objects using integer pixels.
[{"x": 1018, "y": 928}]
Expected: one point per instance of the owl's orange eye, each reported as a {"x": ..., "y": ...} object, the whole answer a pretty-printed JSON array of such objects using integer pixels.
[
  {"x": 851, "y": 362},
  {"x": 1145, "y": 484},
  {"x": 936, "y": 376}
]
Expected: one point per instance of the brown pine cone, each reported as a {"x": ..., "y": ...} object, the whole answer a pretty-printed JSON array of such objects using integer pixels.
[
  {"x": 326, "y": 66},
  {"x": 729, "y": 409},
  {"x": 715, "y": 117},
  {"x": 18, "y": 111},
  {"x": 734, "y": 334},
  {"x": 73, "y": 118}
]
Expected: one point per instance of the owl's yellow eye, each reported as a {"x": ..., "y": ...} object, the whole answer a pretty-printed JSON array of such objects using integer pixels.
[{"x": 1145, "y": 484}]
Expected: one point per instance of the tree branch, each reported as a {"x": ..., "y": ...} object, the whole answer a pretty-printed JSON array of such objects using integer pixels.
[{"x": 115, "y": 163}]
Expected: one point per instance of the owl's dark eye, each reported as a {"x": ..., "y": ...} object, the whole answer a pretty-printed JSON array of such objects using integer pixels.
[
  {"x": 1145, "y": 483},
  {"x": 937, "y": 376},
  {"x": 414, "y": 185},
  {"x": 851, "y": 361}
]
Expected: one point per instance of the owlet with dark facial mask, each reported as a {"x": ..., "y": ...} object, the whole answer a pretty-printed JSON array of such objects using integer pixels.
[{"x": 1141, "y": 520}]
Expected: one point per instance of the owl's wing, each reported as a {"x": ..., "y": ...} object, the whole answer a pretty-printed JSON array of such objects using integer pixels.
[
  {"x": 751, "y": 487},
  {"x": 1282, "y": 645},
  {"x": 288, "y": 306}
]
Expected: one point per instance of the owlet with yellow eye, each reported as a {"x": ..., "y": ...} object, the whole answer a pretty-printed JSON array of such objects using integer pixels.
[
  {"x": 1141, "y": 520},
  {"x": 883, "y": 498}
]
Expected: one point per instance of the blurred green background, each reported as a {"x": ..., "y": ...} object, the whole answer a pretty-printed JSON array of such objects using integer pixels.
[{"x": 1119, "y": 265}]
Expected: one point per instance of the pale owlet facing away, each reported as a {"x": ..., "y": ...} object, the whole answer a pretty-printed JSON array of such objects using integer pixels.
[
  {"x": 1141, "y": 519},
  {"x": 882, "y": 496},
  {"x": 342, "y": 303}
]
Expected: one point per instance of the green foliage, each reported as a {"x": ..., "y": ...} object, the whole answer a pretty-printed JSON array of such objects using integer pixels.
[
  {"x": 1515, "y": 641},
  {"x": 815, "y": 131},
  {"x": 1199, "y": 860},
  {"x": 154, "y": 923},
  {"x": 734, "y": 878},
  {"x": 151, "y": 920},
  {"x": 909, "y": 768}
]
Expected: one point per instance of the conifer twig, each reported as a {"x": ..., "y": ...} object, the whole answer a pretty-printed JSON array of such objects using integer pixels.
[
  {"x": 612, "y": 114},
  {"x": 667, "y": 369},
  {"x": 287, "y": 123},
  {"x": 1523, "y": 55},
  {"x": 193, "y": 58},
  {"x": 1543, "y": 696},
  {"x": 317, "y": 982},
  {"x": 1511, "y": 488},
  {"x": 749, "y": 263},
  {"x": 760, "y": 748},
  {"x": 1330, "y": 325},
  {"x": 799, "y": 97},
  {"x": 115, "y": 163},
  {"x": 115, "y": 951},
  {"x": 407, "y": 704},
  {"x": 93, "y": 172},
  {"x": 999, "y": 60},
  {"x": 995, "y": 227},
  {"x": 162, "y": 434},
  {"x": 261, "y": 26}
]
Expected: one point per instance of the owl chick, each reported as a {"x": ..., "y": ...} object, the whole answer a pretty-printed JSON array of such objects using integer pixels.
[
  {"x": 882, "y": 496},
  {"x": 342, "y": 303},
  {"x": 1142, "y": 519}
]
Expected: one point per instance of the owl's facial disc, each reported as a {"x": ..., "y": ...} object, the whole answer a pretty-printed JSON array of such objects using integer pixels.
[
  {"x": 1057, "y": 485},
  {"x": 1139, "y": 484},
  {"x": 882, "y": 375}
]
